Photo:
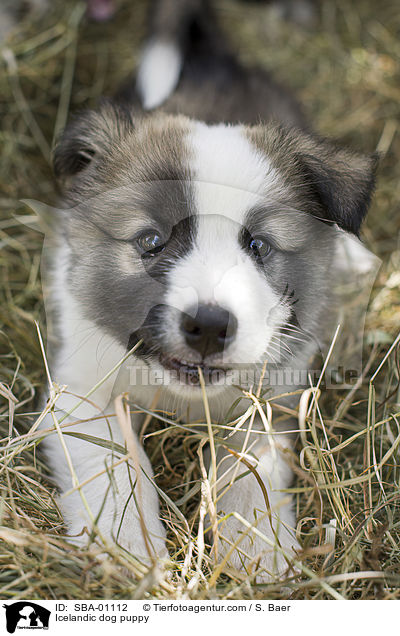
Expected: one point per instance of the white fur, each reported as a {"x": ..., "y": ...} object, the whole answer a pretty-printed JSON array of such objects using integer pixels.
[
  {"x": 223, "y": 156},
  {"x": 158, "y": 72}
]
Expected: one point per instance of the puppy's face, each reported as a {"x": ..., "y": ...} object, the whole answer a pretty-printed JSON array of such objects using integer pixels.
[{"x": 211, "y": 245}]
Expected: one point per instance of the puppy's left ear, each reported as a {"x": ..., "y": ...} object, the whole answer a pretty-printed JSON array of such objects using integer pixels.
[{"x": 341, "y": 181}]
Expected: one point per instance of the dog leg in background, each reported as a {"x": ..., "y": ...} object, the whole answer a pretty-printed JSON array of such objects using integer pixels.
[
  {"x": 159, "y": 73},
  {"x": 173, "y": 27},
  {"x": 161, "y": 60}
]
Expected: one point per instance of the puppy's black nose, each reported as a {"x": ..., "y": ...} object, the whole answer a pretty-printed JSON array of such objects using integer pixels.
[{"x": 210, "y": 331}]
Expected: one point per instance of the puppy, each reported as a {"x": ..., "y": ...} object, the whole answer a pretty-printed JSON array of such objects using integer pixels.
[{"x": 195, "y": 241}]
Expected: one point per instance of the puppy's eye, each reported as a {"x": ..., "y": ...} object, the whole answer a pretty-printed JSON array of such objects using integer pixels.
[
  {"x": 150, "y": 244},
  {"x": 259, "y": 247}
]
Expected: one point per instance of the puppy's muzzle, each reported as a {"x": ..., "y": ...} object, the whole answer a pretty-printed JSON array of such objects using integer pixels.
[{"x": 211, "y": 330}]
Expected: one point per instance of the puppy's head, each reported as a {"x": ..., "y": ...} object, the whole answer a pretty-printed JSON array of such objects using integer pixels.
[{"x": 211, "y": 244}]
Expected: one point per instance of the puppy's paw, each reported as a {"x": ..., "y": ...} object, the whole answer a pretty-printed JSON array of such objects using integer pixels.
[
  {"x": 269, "y": 555},
  {"x": 144, "y": 540},
  {"x": 144, "y": 543},
  {"x": 254, "y": 537}
]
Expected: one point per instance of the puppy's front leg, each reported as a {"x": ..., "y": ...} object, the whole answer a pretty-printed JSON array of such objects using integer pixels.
[
  {"x": 258, "y": 501},
  {"x": 115, "y": 495}
]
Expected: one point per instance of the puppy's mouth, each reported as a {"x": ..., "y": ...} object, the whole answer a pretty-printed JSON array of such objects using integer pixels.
[
  {"x": 185, "y": 371},
  {"x": 189, "y": 372}
]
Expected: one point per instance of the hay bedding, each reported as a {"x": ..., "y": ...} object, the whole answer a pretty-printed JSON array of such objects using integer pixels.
[{"x": 346, "y": 70}]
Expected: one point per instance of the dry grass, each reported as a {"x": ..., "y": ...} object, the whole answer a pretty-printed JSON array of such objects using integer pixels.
[{"x": 346, "y": 70}]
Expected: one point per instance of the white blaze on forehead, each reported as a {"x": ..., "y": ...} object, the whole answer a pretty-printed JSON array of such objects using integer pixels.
[
  {"x": 230, "y": 175},
  {"x": 229, "y": 178}
]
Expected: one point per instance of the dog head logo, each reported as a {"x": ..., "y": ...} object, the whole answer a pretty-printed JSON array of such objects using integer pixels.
[{"x": 26, "y": 615}]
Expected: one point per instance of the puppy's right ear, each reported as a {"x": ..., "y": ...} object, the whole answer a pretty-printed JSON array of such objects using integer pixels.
[{"x": 88, "y": 138}]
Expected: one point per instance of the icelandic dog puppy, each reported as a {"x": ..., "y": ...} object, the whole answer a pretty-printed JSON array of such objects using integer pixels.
[{"x": 198, "y": 226}]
